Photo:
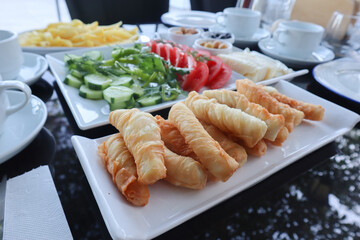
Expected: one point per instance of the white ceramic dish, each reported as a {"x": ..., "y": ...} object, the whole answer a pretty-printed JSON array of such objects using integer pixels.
[
  {"x": 89, "y": 113},
  {"x": 341, "y": 76},
  {"x": 21, "y": 127},
  {"x": 320, "y": 55},
  {"x": 32, "y": 69},
  {"x": 213, "y": 51},
  {"x": 170, "y": 206},
  {"x": 208, "y": 35},
  {"x": 186, "y": 39},
  {"x": 253, "y": 41},
  {"x": 200, "y": 19}
]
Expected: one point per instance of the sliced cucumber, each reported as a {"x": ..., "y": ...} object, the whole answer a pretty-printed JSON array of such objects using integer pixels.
[
  {"x": 88, "y": 93},
  {"x": 126, "y": 81},
  {"x": 138, "y": 91},
  {"x": 149, "y": 101},
  {"x": 71, "y": 58},
  {"x": 76, "y": 74},
  {"x": 94, "y": 55},
  {"x": 118, "y": 94},
  {"x": 122, "y": 105},
  {"x": 73, "y": 81},
  {"x": 97, "y": 81}
]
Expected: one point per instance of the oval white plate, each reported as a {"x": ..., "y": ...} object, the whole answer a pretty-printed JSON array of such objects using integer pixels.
[
  {"x": 341, "y": 76},
  {"x": 32, "y": 69},
  {"x": 22, "y": 126},
  {"x": 200, "y": 19}
]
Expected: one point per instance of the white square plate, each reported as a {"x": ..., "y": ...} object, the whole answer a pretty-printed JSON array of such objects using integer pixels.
[
  {"x": 95, "y": 113},
  {"x": 170, "y": 206}
]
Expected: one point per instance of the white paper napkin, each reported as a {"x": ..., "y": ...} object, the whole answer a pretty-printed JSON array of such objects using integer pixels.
[{"x": 33, "y": 209}]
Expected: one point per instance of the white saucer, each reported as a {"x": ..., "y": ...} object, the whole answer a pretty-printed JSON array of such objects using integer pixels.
[
  {"x": 244, "y": 42},
  {"x": 320, "y": 55},
  {"x": 33, "y": 68},
  {"x": 21, "y": 127},
  {"x": 341, "y": 76},
  {"x": 200, "y": 19}
]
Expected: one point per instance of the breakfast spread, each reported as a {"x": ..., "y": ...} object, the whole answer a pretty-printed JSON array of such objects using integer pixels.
[
  {"x": 206, "y": 138},
  {"x": 78, "y": 34}
]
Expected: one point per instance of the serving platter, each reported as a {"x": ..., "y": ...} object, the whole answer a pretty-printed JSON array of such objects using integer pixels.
[{"x": 170, "y": 206}]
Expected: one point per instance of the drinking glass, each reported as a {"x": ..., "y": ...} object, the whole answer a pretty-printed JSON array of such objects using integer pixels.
[{"x": 342, "y": 34}]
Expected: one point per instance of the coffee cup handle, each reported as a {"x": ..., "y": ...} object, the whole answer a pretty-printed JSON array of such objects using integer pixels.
[
  {"x": 277, "y": 34},
  {"x": 220, "y": 18},
  {"x": 17, "y": 85}
]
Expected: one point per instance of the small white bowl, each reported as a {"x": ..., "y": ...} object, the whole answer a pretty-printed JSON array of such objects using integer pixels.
[
  {"x": 219, "y": 36},
  {"x": 213, "y": 51},
  {"x": 186, "y": 39}
]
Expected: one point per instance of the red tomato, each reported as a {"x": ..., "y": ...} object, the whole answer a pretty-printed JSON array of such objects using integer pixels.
[
  {"x": 180, "y": 62},
  {"x": 203, "y": 53},
  {"x": 167, "y": 51},
  {"x": 222, "y": 78},
  {"x": 153, "y": 45},
  {"x": 197, "y": 78},
  {"x": 174, "y": 55},
  {"x": 215, "y": 65},
  {"x": 159, "y": 47}
]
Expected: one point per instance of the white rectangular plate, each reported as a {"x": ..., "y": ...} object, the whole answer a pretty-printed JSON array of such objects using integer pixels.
[
  {"x": 94, "y": 113},
  {"x": 170, "y": 206}
]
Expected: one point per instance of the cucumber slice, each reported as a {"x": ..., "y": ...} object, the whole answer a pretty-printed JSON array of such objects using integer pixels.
[
  {"x": 149, "y": 101},
  {"x": 118, "y": 94},
  {"x": 88, "y": 93},
  {"x": 122, "y": 105},
  {"x": 94, "y": 55},
  {"x": 126, "y": 81},
  {"x": 76, "y": 74},
  {"x": 72, "y": 81},
  {"x": 71, "y": 58},
  {"x": 138, "y": 91},
  {"x": 97, "y": 81}
]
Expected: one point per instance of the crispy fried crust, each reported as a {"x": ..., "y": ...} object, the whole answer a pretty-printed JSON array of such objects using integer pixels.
[
  {"x": 230, "y": 120},
  {"x": 142, "y": 137},
  {"x": 210, "y": 153},
  {"x": 121, "y": 165}
]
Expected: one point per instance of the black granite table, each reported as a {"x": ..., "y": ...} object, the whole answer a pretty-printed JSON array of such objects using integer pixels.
[{"x": 317, "y": 197}]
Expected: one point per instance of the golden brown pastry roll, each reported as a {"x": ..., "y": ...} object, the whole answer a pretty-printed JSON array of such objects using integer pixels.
[
  {"x": 142, "y": 137},
  {"x": 255, "y": 93},
  {"x": 230, "y": 120},
  {"x": 209, "y": 151},
  {"x": 311, "y": 111},
  {"x": 173, "y": 140},
  {"x": 281, "y": 137},
  {"x": 233, "y": 99},
  {"x": 121, "y": 165},
  {"x": 257, "y": 151},
  {"x": 184, "y": 171},
  {"x": 232, "y": 148}
]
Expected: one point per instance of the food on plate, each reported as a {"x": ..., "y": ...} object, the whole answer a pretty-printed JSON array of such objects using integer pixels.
[
  {"x": 234, "y": 150},
  {"x": 184, "y": 171},
  {"x": 281, "y": 137},
  {"x": 311, "y": 111},
  {"x": 234, "y": 99},
  {"x": 142, "y": 137},
  {"x": 204, "y": 69},
  {"x": 258, "y": 150},
  {"x": 209, "y": 151},
  {"x": 213, "y": 44},
  {"x": 230, "y": 120},
  {"x": 121, "y": 165},
  {"x": 78, "y": 34},
  {"x": 255, "y": 93},
  {"x": 186, "y": 31},
  {"x": 254, "y": 65},
  {"x": 173, "y": 139},
  {"x": 132, "y": 77}
]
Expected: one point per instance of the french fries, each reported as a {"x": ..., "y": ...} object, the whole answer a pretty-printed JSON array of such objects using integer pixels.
[{"x": 78, "y": 34}]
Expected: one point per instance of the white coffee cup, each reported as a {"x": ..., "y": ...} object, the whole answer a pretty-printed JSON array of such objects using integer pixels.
[
  {"x": 297, "y": 39},
  {"x": 242, "y": 22},
  {"x": 11, "y": 57},
  {"x": 5, "y": 108}
]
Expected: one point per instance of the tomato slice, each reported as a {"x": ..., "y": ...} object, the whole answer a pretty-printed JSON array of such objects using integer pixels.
[
  {"x": 153, "y": 46},
  {"x": 174, "y": 55},
  {"x": 166, "y": 51},
  {"x": 222, "y": 78},
  {"x": 215, "y": 65},
  {"x": 197, "y": 78}
]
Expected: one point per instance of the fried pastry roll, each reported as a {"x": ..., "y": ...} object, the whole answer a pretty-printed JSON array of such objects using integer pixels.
[
  {"x": 209, "y": 151},
  {"x": 173, "y": 140},
  {"x": 184, "y": 171},
  {"x": 255, "y": 93},
  {"x": 311, "y": 111},
  {"x": 233, "y": 99},
  {"x": 121, "y": 165},
  {"x": 230, "y": 120},
  {"x": 281, "y": 137},
  {"x": 142, "y": 137},
  {"x": 234, "y": 150},
  {"x": 257, "y": 151}
]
